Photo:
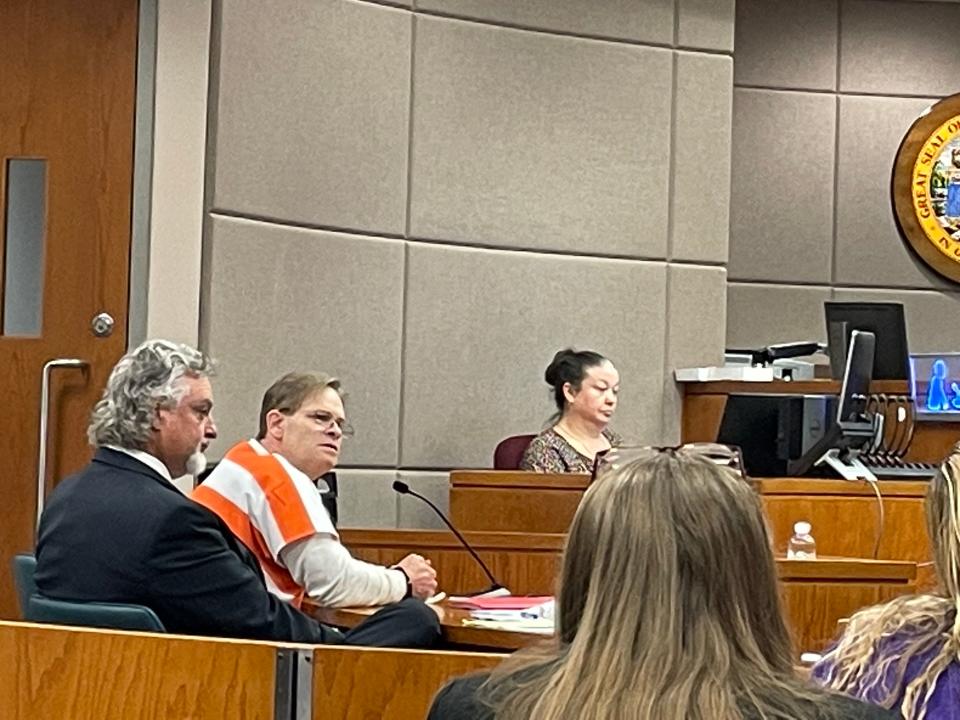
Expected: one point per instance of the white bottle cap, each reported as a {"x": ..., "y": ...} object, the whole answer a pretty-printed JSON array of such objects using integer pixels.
[{"x": 802, "y": 528}]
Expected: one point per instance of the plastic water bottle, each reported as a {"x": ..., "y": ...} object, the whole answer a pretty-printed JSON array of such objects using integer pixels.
[{"x": 802, "y": 545}]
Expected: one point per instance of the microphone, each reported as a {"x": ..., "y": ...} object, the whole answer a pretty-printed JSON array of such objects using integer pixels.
[{"x": 402, "y": 488}]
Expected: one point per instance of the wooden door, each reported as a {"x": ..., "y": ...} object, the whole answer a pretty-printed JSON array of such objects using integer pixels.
[{"x": 67, "y": 82}]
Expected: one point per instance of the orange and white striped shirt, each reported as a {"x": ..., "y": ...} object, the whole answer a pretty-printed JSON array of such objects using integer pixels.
[{"x": 268, "y": 504}]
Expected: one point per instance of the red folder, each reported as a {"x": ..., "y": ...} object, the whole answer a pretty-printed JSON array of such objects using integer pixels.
[{"x": 509, "y": 602}]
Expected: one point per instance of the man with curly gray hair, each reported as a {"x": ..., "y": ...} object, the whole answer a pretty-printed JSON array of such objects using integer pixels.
[
  {"x": 120, "y": 530},
  {"x": 158, "y": 401}
]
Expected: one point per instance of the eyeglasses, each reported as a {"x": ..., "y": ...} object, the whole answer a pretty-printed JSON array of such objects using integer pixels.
[
  {"x": 327, "y": 420},
  {"x": 728, "y": 456}
]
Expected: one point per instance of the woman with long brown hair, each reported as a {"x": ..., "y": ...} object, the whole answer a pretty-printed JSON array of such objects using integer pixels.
[
  {"x": 905, "y": 654},
  {"x": 667, "y": 609}
]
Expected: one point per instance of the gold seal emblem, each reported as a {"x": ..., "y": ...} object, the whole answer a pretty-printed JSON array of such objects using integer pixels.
[{"x": 926, "y": 187}]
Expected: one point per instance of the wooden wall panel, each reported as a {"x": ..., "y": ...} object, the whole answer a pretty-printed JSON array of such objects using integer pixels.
[
  {"x": 528, "y": 564},
  {"x": 815, "y": 610},
  {"x": 817, "y": 594},
  {"x": 351, "y": 684},
  {"x": 534, "y": 510},
  {"x": 51, "y": 673},
  {"x": 844, "y": 515},
  {"x": 847, "y": 526}
]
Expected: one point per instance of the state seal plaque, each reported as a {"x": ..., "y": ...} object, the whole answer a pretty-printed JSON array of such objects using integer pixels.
[{"x": 926, "y": 187}]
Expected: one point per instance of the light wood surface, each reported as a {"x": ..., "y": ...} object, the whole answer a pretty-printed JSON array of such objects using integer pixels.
[
  {"x": 51, "y": 673},
  {"x": 514, "y": 501},
  {"x": 455, "y": 633},
  {"x": 816, "y": 594},
  {"x": 529, "y": 560},
  {"x": 844, "y": 515},
  {"x": 352, "y": 684}
]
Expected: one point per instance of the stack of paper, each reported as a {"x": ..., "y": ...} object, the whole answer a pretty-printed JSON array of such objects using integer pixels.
[
  {"x": 533, "y": 614},
  {"x": 539, "y": 627}
]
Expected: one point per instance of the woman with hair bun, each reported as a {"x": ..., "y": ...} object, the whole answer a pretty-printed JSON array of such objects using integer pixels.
[{"x": 585, "y": 387}]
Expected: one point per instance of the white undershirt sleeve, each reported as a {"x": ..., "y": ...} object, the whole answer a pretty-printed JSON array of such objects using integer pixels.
[{"x": 334, "y": 578}]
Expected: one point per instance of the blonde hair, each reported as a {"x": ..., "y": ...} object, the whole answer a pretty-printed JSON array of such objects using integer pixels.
[
  {"x": 872, "y": 656},
  {"x": 667, "y": 609}
]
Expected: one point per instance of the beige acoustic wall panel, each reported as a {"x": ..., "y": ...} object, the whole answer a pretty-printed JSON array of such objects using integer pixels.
[
  {"x": 870, "y": 250},
  {"x": 787, "y": 44},
  {"x": 414, "y": 513},
  {"x": 781, "y": 197},
  {"x": 481, "y": 327},
  {"x": 761, "y": 315},
  {"x": 900, "y": 48},
  {"x": 707, "y": 24},
  {"x": 931, "y": 316},
  {"x": 641, "y": 21},
  {"x": 701, "y": 158},
  {"x": 284, "y": 299},
  {"x": 312, "y": 113},
  {"x": 696, "y": 332},
  {"x": 365, "y": 498},
  {"x": 528, "y": 140}
]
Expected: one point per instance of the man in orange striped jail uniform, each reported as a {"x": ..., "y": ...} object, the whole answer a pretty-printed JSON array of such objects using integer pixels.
[{"x": 264, "y": 490}]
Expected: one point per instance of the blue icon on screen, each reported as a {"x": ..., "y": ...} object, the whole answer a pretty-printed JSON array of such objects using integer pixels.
[
  {"x": 936, "y": 390},
  {"x": 939, "y": 399}
]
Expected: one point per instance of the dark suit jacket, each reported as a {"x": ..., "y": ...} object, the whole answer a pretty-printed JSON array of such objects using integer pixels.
[{"x": 119, "y": 532}]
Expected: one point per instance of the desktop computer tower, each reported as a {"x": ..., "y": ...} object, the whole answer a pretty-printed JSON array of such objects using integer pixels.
[{"x": 771, "y": 430}]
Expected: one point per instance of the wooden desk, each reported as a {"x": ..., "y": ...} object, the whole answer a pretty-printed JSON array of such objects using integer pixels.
[
  {"x": 704, "y": 402},
  {"x": 455, "y": 633},
  {"x": 816, "y": 594},
  {"x": 843, "y": 514}
]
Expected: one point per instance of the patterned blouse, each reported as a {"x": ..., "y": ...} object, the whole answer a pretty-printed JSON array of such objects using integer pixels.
[{"x": 549, "y": 452}]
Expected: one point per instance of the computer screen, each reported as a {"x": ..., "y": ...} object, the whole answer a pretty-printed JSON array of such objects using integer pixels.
[
  {"x": 886, "y": 322},
  {"x": 856, "y": 379},
  {"x": 935, "y": 385},
  {"x": 853, "y": 427}
]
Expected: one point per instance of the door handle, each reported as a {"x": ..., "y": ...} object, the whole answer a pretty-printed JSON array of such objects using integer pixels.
[{"x": 48, "y": 369}]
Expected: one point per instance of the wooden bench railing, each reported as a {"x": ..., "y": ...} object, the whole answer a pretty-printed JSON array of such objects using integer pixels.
[
  {"x": 50, "y": 672},
  {"x": 351, "y": 684}
]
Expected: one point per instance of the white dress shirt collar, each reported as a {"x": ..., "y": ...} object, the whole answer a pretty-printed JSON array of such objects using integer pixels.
[{"x": 151, "y": 461}]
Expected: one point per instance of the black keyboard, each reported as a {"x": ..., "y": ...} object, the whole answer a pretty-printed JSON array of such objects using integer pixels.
[{"x": 900, "y": 470}]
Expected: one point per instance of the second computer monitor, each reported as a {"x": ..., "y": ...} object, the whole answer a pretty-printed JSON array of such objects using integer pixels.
[
  {"x": 886, "y": 322},
  {"x": 852, "y": 407}
]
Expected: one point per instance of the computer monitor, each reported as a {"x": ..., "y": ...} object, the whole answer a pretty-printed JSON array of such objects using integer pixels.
[
  {"x": 854, "y": 427},
  {"x": 885, "y": 320},
  {"x": 852, "y": 408}
]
